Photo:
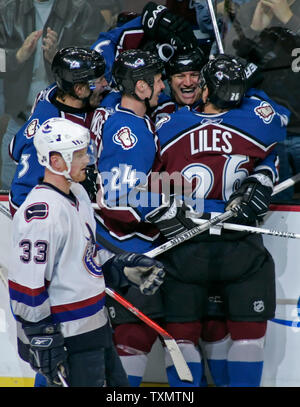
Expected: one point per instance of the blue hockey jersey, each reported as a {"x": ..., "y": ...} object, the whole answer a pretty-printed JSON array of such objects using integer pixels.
[
  {"x": 22, "y": 150},
  {"x": 215, "y": 152}
]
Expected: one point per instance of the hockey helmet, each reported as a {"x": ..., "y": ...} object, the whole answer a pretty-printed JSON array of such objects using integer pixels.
[
  {"x": 77, "y": 65},
  {"x": 226, "y": 81},
  {"x": 61, "y": 136},
  {"x": 192, "y": 60},
  {"x": 134, "y": 65}
]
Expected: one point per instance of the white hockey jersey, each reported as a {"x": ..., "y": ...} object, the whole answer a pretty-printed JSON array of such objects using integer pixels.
[{"x": 57, "y": 270}]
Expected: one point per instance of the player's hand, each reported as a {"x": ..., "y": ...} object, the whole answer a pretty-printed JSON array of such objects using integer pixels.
[
  {"x": 47, "y": 353},
  {"x": 171, "y": 220},
  {"x": 252, "y": 200},
  {"x": 161, "y": 25},
  {"x": 28, "y": 47},
  {"x": 140, "y": 271}
]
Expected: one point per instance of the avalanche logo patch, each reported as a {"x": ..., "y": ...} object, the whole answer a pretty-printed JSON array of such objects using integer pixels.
[
  {"x": 38, "y": 210},
  {"x": 265, "y": 112},
  {"x": 163, "y": 118},
  {"x": 32, "y": 128},
  {"x": 125, "y": 138}
]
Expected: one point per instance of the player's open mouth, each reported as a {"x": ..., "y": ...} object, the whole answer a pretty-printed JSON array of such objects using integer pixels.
[{"x": 187, "y": 90}]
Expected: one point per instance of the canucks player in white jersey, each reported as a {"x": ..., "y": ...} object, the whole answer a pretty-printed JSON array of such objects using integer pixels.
[
  {"x": 57, "y": 280},
  {"x": 228, "y": 150}
]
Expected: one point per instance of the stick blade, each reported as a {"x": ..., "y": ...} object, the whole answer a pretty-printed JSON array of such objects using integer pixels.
[{"x": 180, "y": 364}]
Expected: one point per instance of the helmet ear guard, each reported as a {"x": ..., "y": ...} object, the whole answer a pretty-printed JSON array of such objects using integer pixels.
[{"x": 61, "y": 136}]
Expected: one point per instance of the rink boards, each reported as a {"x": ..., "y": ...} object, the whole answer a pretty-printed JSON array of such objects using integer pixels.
[{"x": 282, "y": 350}]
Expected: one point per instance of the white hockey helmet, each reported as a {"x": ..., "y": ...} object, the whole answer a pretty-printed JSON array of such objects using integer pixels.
[{"x": 62, "y": 136}]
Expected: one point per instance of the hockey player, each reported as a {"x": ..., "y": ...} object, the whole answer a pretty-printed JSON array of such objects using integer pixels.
[
  {"x": 182, "y": 72},
  {"x": 56, "y": 282},
  {"x": 79, "y": 76},
  {"x": 229, "y": 149},
  {"x": 127, "y": 146}
]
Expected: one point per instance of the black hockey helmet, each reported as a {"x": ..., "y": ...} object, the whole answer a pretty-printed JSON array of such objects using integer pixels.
[
  {"x": 133, "y": 65},
  {"x": 76, "y": 65},
  {"x": 226, "y": 81},
  {"x": 192, "y": 60}
]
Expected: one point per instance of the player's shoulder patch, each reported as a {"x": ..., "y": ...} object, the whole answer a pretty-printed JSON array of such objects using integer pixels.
[
  {"x": 125, "y": 138},
  {"x": 37, "y": 210},
  {"x": 161, "y": 119},
  {"x": 32, "y": 128},
  {"x": 265, "y": 112}
]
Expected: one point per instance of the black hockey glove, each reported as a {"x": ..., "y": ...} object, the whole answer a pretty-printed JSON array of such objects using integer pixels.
[
  {"x": 47, "y": 353},
  {"x": 90, "y": 182},
  {"x": 251, "y": 201},
  {"x": 171, "y": 220},
  {"x": 141, "y": 271},
  {"x": 161, "y": 25}
]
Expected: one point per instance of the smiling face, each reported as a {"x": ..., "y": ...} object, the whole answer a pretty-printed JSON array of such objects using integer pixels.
[{"x": 185, "y": 87}]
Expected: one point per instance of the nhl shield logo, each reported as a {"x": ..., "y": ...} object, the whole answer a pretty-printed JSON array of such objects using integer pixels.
[
  {"x": 125, "y": 138},
  {"x": 258, "y": 306}
]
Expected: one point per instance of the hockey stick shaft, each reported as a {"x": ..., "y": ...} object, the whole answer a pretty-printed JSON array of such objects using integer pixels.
[
  {"x": 182, "y": 237},
  {"x": 180, "y": 364},
  {"x": 189, "y": 234},
  {"x": 252, "y": 229},
  {"x": 215, "y": 26}
]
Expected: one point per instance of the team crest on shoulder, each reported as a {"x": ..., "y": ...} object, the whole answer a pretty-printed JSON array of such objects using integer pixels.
[
  {"x": 162, "y": 118},
  {"x": 90, "y": 254},
  {"x": 32, "y": 128},
  {"x": 38, "y": 210},
  {"x": 265, "y": 112},
  {"x": 125, "y": 138}
]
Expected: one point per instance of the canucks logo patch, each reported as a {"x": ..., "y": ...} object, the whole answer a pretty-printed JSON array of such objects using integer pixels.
[
  {"x": 125, "y": 138},
  {"x": 39, "y": 210},
  {"x": 90, "y": 255}
]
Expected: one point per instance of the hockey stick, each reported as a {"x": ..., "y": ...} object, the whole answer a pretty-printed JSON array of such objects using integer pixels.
[
  {"x": 252, "y": 229},
  {"x": 184, "y": 236},
  {"x": 215, "y": 26},
  {"x": 189, "y": 234},
  {"x": 180, "y": 364}
]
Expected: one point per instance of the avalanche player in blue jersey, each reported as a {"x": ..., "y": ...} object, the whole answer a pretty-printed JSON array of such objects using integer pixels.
[
  {"x": 79, "y": 76},
  {"x": 127, "y": 146},
  {"x": 226, "y": 155}
]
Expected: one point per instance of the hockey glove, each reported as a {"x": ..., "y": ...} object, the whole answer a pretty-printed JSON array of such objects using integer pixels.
[
  {"x": 141, "y": 271},
  {"x": 161, "y": 25},
  {"x": 90, "y": 182},
  {"x": 171, "y": 220},
  {"x": 47, "y": 353},
  {"x": 251, "y": 201}
]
